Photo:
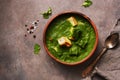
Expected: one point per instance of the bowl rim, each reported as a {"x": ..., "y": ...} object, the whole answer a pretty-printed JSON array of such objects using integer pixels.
[{"x": 71, "y": 12}]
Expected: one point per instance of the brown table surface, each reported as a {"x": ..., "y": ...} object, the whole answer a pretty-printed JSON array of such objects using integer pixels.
[{"x": 17, "y": 60}]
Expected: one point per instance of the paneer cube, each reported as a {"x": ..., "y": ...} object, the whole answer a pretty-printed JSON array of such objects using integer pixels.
[
  {"x": 64, "y": 41},
  {"x": 73, "y": 21}
]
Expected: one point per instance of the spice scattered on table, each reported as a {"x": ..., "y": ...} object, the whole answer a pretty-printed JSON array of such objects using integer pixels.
[
  {"x": 87, "y": 3},
  {"x": 25, "y": 35},
  {"x": 47, "y": 13},
  {"x": 27, "y": 29},
  {"x": 34, "y": 36},
  {"x": 25, "y": 25},
  {"x": 31, "y": 28},
  {"x": 37, "y": 48}
]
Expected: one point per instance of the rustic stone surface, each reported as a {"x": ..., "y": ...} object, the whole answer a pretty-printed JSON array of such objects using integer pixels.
[{"x": 17, "y": 60}]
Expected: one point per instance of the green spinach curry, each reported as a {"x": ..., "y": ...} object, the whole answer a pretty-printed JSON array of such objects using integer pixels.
[{"x": 81, "y": 36}]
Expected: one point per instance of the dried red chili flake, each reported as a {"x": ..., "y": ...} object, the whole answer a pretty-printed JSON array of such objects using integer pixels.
[{"x": 32, "y": 27}]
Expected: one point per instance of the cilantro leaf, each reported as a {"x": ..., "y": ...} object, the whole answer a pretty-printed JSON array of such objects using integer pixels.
[
  {"x": 47, "y": 13},
  {"x": 37, "y": 48},
  {"x": 87, "y": 3}
]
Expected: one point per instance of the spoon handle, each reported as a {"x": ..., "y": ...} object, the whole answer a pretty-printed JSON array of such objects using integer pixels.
[{"x": 89, "y": 69}]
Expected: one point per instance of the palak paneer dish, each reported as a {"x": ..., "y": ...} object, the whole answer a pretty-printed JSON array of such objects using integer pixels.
[{"x": 70, "y": 38}]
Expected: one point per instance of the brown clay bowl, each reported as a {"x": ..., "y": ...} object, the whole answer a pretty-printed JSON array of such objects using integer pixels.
[{"x": 71, "y": 13}]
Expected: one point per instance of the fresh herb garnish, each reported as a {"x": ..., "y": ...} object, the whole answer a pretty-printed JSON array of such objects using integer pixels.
[
  {"x": 47, "y": 13},
  {"x": 37, "y": 48},
  {"x": 87, "y": 3}
]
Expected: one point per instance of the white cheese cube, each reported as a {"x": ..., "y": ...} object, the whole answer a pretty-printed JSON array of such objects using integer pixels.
[
  {"x": 64, "y": 41},
  {"x": 73, "y": 21},
  {"x": 61, "y": 41}
]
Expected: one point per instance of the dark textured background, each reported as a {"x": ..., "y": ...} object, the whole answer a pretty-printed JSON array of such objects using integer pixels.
[{"x": 17, "y": 60}]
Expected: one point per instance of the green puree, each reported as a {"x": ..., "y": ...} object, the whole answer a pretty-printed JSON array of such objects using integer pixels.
[{"x": 83, "y": 34}]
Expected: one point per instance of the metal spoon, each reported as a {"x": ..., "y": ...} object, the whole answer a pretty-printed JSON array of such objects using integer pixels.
[{"x": 110, "y": 42}]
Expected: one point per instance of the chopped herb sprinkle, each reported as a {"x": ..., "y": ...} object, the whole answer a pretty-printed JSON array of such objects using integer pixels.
[
  {"x": 87, "y": 3},
  {"x": 37, "y": 48},
  {"x": 47, "y": 13}
]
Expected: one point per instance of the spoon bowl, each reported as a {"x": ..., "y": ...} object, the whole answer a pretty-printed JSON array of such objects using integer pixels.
[{"x": 112, "y": 41}]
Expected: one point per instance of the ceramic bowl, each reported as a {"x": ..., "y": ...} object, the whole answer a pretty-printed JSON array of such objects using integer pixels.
[{"x": 62, "y": 15}]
